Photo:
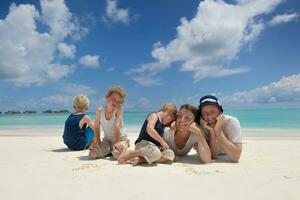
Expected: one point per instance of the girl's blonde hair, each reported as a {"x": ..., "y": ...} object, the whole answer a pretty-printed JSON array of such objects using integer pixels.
[
  {"x": 169, "y": 106},
  {"x": 81, "y": 103},
  {"x": 117, "y": 89}
]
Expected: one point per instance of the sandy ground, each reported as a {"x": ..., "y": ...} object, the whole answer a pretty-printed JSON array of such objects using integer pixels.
[{"x": 41, "y": 167}]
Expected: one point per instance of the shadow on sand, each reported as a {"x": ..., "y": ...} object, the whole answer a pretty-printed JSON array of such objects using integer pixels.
[
  {"x": 84, "y": 158},
  {"x": 61, "y": 150}
]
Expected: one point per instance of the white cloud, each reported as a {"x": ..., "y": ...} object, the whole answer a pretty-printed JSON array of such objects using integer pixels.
[
  {"x": 28, "y": 56},
  {"x": 77, "y": 89},
  {"x": 208, "y": 43},
  {"x": 110, "y": 69},
  {"x": 65, "y": 97},
  {"x": 284, "y": 18},
  {"x": 147, "y": 80},
  {"x": 61, "y": 99},
  {"x": 57, "y": 16},
  {"x": 58, "y": 71},
  {"x": 115, "y": 14},
  {"x": 90, "y": 61},
  {"x": 66, "y": 50},
  {"x": 194, "y": 99},
  {"x": 144, "y": 103},
  {"x": 56, "y": 101},
  {"x": 141, "y": 103},
  {"x": 286, "y": 90}
]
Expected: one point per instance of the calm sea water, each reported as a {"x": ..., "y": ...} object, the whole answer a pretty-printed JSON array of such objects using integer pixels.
[{"x": 254, "y": 118}]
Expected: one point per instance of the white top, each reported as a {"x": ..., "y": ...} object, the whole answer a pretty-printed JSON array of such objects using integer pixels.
[
  {"x": 108, "y": 126},
  {"x": 232, "y": 130},
  {"x": 169, "y": 137}
]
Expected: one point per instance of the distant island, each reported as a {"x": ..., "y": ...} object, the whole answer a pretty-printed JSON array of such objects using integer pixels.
[
  {"x": 13, "y": 112},
  {"x": 29, "y": 112},
  {"x": 10, "y": 112},
  {"x": 57, "y": 111}
]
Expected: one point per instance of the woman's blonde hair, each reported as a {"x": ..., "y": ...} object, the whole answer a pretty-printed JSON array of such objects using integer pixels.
[
  {"x": 117, "y": 89},
  {"x": 81, "y": 103}
]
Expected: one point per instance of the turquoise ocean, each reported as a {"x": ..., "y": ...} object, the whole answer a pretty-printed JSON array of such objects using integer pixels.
[{"x": 249, "y": 118}]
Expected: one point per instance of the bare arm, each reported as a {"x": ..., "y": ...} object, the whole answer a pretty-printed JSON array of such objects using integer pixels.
[
  {"x": 232, "y": 150},
  {"x": 212, "y": 140},
  {"x": 201, "y": 146},
  {"x": 97, "y": 127},
  {"x": 152, "y": 119},
  {"x": 117, "y": 124},
  {"x": 88, "y": 121}
]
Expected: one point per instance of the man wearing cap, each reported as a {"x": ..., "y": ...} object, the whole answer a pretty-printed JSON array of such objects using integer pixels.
[{"x": 224, "y": 132}]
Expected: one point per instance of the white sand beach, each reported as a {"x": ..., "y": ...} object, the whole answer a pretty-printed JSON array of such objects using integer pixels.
[{"x": 38, "y": 167}]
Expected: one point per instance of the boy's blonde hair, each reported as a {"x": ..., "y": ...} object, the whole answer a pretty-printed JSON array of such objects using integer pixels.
[
  {"x": 81, "y": 103},
  {"x": 169, "y": 106},
  {"x": 117, "y": 89}
]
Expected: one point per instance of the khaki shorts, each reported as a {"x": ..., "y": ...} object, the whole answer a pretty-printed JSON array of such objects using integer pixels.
[
  {"x": 106, "y": 147},
  {"x": 152, "y": 153}
]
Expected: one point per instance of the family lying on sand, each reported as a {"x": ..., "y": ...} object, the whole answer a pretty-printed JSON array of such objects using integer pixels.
[{"x": 164, "y": 137}]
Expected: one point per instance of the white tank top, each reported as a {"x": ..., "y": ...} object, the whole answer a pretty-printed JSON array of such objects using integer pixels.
[{"x": 108, "y": 126}]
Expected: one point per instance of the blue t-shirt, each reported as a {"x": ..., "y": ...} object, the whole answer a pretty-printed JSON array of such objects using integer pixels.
[
  {"x": 73, "y": 136},
  {"x": 144, "y": 135}
]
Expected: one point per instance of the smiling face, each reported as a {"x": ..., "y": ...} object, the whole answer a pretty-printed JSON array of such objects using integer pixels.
[
  {"x": 210, "y": 114},
  {"x": 184, "y": 119},
  {"x": 114, "y": 100}
]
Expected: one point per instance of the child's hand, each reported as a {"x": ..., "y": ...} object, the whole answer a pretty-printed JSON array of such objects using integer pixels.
[
  {"x": 95, "y": 142},
  {"x": 173, "y": 127},
  {"x": 119, "y": 147},
  {"x": 164, "y": 145}
]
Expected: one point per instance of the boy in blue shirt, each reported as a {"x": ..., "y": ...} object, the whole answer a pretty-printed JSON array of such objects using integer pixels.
[{"x": 79, "y": 128}]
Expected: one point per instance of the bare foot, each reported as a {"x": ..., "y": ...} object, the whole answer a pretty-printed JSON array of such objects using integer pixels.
[
  {"x": 92, "y": 154},
  {"x": 138, "y": 160},
  {"x": 123, "y": 158},
  {"x": 116, "y": 155}
]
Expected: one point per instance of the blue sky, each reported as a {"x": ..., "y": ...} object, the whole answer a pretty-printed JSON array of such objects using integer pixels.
[{"x": 245, "y": 51}]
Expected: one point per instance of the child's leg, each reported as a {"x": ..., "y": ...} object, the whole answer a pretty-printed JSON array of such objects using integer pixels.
[
  {"x": 144, "y": 149},
  {"x": 89, "y": 133},
  {"x": 122, "y": 159},
  {"x": 138, "y": 161},
  {"x": 100, "y": 151},
  {"x": 125, "y": 144},
  {"x": 150, "y": 151},
  {"x": 167, "y": 156}
]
